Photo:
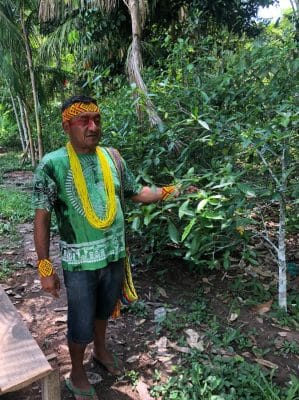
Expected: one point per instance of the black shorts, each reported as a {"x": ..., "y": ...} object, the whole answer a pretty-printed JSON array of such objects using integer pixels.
[{"x": 91, "y": 295}]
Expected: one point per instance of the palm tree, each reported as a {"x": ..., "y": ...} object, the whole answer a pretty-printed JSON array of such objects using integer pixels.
[
  {"x": 138, "y": 10},
  {"x": 295, "y": 8},
  {"x": 12, "y": 68},
  {"x": 14, "y": 39}
]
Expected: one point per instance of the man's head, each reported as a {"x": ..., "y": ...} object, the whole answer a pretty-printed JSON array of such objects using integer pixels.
[{"x": 81, "y": 121}]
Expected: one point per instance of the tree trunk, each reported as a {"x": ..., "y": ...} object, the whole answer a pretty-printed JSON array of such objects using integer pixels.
[
  {"x": 23, "y": 122},
  {"x": 134, "y": 62},
  {"x": 31, "y": 144},
  {"x": 282, "y": 264},
  {"x": 21, "y": 134},
  {"x": 33, "y": 85}
]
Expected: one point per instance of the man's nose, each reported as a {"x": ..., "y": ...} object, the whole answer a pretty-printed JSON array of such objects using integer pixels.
[{"x": 92, "y": 126}]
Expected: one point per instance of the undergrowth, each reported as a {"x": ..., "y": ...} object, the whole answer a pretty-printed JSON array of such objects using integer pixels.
[{"x": 220, "y": 378}]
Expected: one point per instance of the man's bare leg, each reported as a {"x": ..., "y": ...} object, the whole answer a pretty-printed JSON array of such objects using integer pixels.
[
  {"x": 100, "y": 351},
  {"x": 78, "y": 374}
]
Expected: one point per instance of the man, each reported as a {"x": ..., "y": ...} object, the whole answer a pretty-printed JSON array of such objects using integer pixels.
[{"x": 81, "y": 184}]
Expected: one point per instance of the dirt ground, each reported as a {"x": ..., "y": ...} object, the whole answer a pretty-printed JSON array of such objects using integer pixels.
[{"x": 133, "y": 337}]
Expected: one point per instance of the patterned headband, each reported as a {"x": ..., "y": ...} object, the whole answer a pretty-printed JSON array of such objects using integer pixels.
[{"x": 78, "y": 108}]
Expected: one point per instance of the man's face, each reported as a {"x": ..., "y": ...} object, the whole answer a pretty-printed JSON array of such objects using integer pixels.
[{"x": 84, "y": 131}]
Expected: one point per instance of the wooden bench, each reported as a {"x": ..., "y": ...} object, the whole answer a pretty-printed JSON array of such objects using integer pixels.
[{"x": 21, "y": 360}]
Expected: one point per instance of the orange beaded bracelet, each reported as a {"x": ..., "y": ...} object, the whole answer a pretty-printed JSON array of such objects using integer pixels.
[
  {"x": 167, "y": 191},
  {"x": 45, "y": 268}
]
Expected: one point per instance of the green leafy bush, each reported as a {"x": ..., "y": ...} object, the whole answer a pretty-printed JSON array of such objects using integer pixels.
[{"x": 221, "y": 378}]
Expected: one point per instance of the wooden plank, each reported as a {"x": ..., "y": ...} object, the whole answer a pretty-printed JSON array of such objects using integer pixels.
[
  {"x": 51, "y": 386},
  {"x": 21, "y": 360}
]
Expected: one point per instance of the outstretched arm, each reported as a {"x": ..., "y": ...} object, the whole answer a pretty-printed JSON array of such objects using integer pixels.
[{"x": 149, "y": 195}]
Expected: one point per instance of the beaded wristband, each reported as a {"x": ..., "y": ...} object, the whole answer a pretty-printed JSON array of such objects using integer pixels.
[
  {"x": 167, "y": 191},
  {"x": 45, "y": 268}
]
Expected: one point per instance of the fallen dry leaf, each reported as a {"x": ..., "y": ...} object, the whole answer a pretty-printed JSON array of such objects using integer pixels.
[
  {"x": 180, "y": 349},
  {"x": 282, "y": 334},
  {"x": 160, "y": 345},
  {"x": 165, "y": 358},
  {"x": 142, "y": 390},
  {"x": 233, "y": 317},
  {"x": 206, "y": 280},
  {"x": 263, "y": 307},
  {"x": 266, "y": 363},
  {"x": 260, "y": 271},
  {"x": 140, "y": 322},
  {"x": 281, "y": 327},
  {"x": 192, "y": 340},
  {"x": 132, "y": 359}
]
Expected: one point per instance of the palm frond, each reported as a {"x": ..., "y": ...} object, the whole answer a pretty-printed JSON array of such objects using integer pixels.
[
  {"x": 13, "y": 71},
  {"x": 57, "y": 42},
  {"x": 9, "y": 31}
]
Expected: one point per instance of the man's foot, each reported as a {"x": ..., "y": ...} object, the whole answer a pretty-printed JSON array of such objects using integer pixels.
[
  {"x": 109, "y": 362},
  {"x": 79, "y": 393}
]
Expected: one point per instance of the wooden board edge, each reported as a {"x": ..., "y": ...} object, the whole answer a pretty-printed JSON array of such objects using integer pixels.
[{"x": 23, "y": 384}]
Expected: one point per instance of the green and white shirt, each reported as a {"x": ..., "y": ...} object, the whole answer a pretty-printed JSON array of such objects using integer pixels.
[{"x": 82, "y": 246}]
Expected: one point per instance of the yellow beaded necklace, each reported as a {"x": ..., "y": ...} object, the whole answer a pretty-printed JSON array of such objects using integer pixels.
[{"x": 82, "y": 191}]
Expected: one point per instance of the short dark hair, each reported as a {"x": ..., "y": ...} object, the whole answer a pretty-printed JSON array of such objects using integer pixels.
[{"x": 77, "y": 99}]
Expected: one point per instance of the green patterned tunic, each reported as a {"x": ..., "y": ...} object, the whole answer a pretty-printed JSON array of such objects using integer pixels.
[{"x": 82, "y": 246}]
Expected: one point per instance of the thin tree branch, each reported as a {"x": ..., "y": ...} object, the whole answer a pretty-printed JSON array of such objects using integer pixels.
[
  {"x": 273, "y": 176},
  {"x": 269, "y": 241}
]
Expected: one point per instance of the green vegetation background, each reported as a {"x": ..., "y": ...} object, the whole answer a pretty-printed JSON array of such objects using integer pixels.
[{"x": 228, "y": 97}]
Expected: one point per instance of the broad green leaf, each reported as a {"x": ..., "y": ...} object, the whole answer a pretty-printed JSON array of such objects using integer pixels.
[
  {"x": 246, "y": 189},
  {"x": 188, "y": 228},
  {"x": 135, "y": 224},
  {"x": 201, "y": 205},
  {"x": 195, "y": 244},
  {"x": 149, "y": 217},
  {"x": 173, "y": 232},
  {"x": 221, "y": 185},
  {"x": 203, "y": 124},
  {"x": 212, "y": 215},
  {"x": 183, "y": 210}
]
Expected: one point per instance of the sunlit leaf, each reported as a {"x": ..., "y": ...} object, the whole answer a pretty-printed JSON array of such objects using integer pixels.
[{"x": 188, "y": 228}]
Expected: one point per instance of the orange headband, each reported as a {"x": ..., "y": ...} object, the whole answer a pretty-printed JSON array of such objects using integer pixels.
[{"x": 78, "y": 108}]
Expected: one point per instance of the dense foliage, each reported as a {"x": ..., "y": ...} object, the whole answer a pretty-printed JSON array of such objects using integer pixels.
[
  {"x": 226, "y": 101},
  {"x": 222, "y": 102}
]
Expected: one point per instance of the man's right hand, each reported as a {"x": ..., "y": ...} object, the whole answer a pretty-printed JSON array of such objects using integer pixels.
[{"x": 51, "y": 284}]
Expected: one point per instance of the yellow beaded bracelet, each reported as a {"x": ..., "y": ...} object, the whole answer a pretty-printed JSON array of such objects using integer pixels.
[
  {"x": 167, "y": 191},
  {"x": 45, "y": 268}
]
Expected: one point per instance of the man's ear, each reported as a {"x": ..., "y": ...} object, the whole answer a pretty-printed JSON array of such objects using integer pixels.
[{"x": 66, "y": 126}]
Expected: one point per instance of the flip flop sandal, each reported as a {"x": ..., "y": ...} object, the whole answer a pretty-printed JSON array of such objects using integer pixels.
[
  {"x": 112, "y": 367},
  {"x": 80, "y": 394}
]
